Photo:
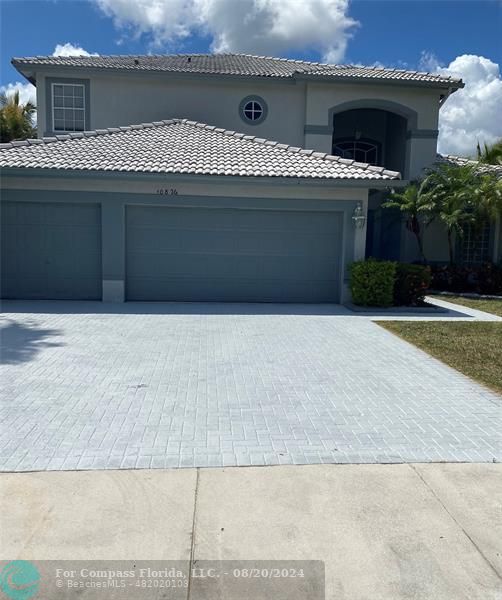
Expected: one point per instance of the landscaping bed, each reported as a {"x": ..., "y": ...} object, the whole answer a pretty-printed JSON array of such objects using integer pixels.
[{"x": 474, "y": 349}]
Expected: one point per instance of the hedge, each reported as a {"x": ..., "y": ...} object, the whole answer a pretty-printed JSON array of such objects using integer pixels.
[
  {"x": 372, "y": 282},
  {"x": 411, "y": 284},
  {"x": 385, "y": 283},
  {"x": 480, "y": 279}
]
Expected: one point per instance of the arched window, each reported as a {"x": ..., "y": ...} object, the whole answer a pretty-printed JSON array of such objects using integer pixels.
[{"x": 361, "y": 150}]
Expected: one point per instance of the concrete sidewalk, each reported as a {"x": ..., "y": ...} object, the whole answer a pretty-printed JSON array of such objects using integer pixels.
[{"x": 385, "y": 532}]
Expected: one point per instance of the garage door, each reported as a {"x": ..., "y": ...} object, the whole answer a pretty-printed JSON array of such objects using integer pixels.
[
  {"x": 196, "y": 254},
  {"x": 51, "y": 250}
]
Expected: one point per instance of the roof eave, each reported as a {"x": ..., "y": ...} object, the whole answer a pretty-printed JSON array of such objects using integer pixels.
[
  {"x": 293, "y": 78},
  {"x": 29, "y": 74},
  {"x": 29, "y": 67},
  {"x": 453, "y": 84},
  {"x": 267, "y": 180}
]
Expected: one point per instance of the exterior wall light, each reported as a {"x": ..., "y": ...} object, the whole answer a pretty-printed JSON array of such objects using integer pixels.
[{"x": 358, "y": 217}]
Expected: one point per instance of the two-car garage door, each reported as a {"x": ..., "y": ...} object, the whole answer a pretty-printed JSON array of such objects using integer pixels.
[
  {"x": 53, "y": 250},
  {"x": 232, "y": 255}
]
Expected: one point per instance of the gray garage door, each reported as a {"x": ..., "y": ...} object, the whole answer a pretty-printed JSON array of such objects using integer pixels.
[
  {"x": 51, "y": 250},
  {"x": 198, "y": 254}
]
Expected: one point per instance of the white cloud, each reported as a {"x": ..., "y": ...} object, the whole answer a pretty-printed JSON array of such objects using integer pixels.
[
  {"x": 428, "y": 62},
  {"x": 69, "y": 49},
  {"x": 473, "y": 114},
  {"x": 253, "y": 26},
  {"x": 27, "y": 91}
]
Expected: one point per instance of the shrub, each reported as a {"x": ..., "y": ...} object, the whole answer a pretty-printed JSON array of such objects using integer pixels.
[
  {"x": 372, "y": 282},
  {"x": 411, "y": 283},
  {"x": 480, "y": 279}
]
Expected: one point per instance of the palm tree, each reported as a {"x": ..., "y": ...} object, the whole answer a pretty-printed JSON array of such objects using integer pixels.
[
  {"x": 488, "y": 198},
  {"x": 453, "y": 192},
  {"x": 16, "y": 119},
  {"x": 491, "y": 155},
  {"x": 417, "y": 208}
]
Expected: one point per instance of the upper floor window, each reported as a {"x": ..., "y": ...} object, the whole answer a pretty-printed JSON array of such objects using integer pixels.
[
  {"x": 68, "y": 107},
  {"x": 253, "y": 110},
  {"x": 360, "y": 150}
]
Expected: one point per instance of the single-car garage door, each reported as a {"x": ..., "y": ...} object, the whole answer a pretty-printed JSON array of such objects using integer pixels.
[
  {"x": 51, "y": 251},
  {"x": 232, "y": 255}
]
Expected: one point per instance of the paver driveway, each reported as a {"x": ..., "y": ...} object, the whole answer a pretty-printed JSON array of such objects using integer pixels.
[{"x": 86, "y": 386}]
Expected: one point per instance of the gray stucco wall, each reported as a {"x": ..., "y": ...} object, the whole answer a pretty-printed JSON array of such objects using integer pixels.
[
  {"x": 419, "y": 106},
  {"x": 113, "y": 228},
  {"x": 299, "y": 113},
  {"x": 118, "y": 101}
]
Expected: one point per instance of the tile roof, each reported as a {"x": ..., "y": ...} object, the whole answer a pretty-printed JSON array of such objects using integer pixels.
[
  {"x": 182, "y": 146},
  {"x": 236, "y": 64},
  {"x": 461, "y": 161}
]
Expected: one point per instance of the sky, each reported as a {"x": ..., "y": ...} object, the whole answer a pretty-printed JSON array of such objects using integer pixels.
[{"x": 459, "y": 37}]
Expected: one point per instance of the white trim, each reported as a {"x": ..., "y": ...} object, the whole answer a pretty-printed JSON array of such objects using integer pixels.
[{"x": 73, "y": 85}]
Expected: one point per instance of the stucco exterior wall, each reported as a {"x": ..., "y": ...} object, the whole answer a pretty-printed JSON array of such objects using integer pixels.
[
  {"x": 420, "y": 106},
  {"x": 321, "y": 97},
  {"x": 117, "y": 101},
  {"x": 300, "y": 113}
]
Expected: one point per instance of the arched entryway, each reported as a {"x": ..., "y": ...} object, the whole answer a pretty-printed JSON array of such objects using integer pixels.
[{"x": 376, "y": 132}]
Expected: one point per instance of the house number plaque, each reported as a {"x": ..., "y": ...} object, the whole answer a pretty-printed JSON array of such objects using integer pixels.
[{"x": 167, "y": 192}]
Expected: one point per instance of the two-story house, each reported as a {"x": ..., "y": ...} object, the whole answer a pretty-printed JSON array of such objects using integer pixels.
[{"x": 211, "y": 177}]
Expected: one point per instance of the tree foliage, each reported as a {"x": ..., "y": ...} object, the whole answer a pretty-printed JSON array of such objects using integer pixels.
[
  {"x": 16, "y": 119},
  {"x": 417, "y": 209},
  {"x": 491, "y": 155},
  {"x": 458, "y": 196}
]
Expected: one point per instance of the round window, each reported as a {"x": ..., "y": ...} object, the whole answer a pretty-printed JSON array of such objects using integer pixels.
[{"x": 253, "y": 110}]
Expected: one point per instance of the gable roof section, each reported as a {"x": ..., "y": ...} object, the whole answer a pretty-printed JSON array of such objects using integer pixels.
[
  {"x": 183, "y": 147},
  {"x": 236, "y": 65}
]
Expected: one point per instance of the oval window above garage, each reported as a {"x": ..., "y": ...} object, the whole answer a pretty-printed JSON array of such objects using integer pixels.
[{"x": 253, "y": 110}]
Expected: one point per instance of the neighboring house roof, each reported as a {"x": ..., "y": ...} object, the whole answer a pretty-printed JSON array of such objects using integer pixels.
[
  {"x": 481, "y": 167},
  {"x": 237, "y": 65},
  {"x": 182, "y": 146}
]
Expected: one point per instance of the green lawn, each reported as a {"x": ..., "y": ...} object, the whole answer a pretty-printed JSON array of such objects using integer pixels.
[
  {"x": 474, "y": 349},
  {"x": 491, "y": 306}
]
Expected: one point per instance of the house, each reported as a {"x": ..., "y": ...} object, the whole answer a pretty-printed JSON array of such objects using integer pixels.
[{"x": 210, "y": 177}]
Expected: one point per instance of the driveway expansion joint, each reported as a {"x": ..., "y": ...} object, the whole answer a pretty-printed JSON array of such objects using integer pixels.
[{"x": 457, "y": 523}]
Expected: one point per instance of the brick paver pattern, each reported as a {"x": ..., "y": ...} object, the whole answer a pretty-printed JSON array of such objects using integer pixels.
[{"x": 156, "y": 386}]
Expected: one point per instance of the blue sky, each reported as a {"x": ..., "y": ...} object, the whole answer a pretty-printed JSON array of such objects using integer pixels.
[
  {"x": 457, "y": 37},
  {"x": 393, "y": 32}
]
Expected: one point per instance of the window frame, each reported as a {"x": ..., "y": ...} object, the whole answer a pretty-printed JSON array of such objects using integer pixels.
[
  {"x": 74, "y": 108},
  {"x": 473, "y": 247},
  {"x": 50, "y": 124},
  {"x": 264, "y": 108}
]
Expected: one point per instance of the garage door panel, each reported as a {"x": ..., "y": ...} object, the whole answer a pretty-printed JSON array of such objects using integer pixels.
[
  {"x": 51, "y": 250},
  {"x": 199, "y": 254},
  {"x": 240, "y": 290}
]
